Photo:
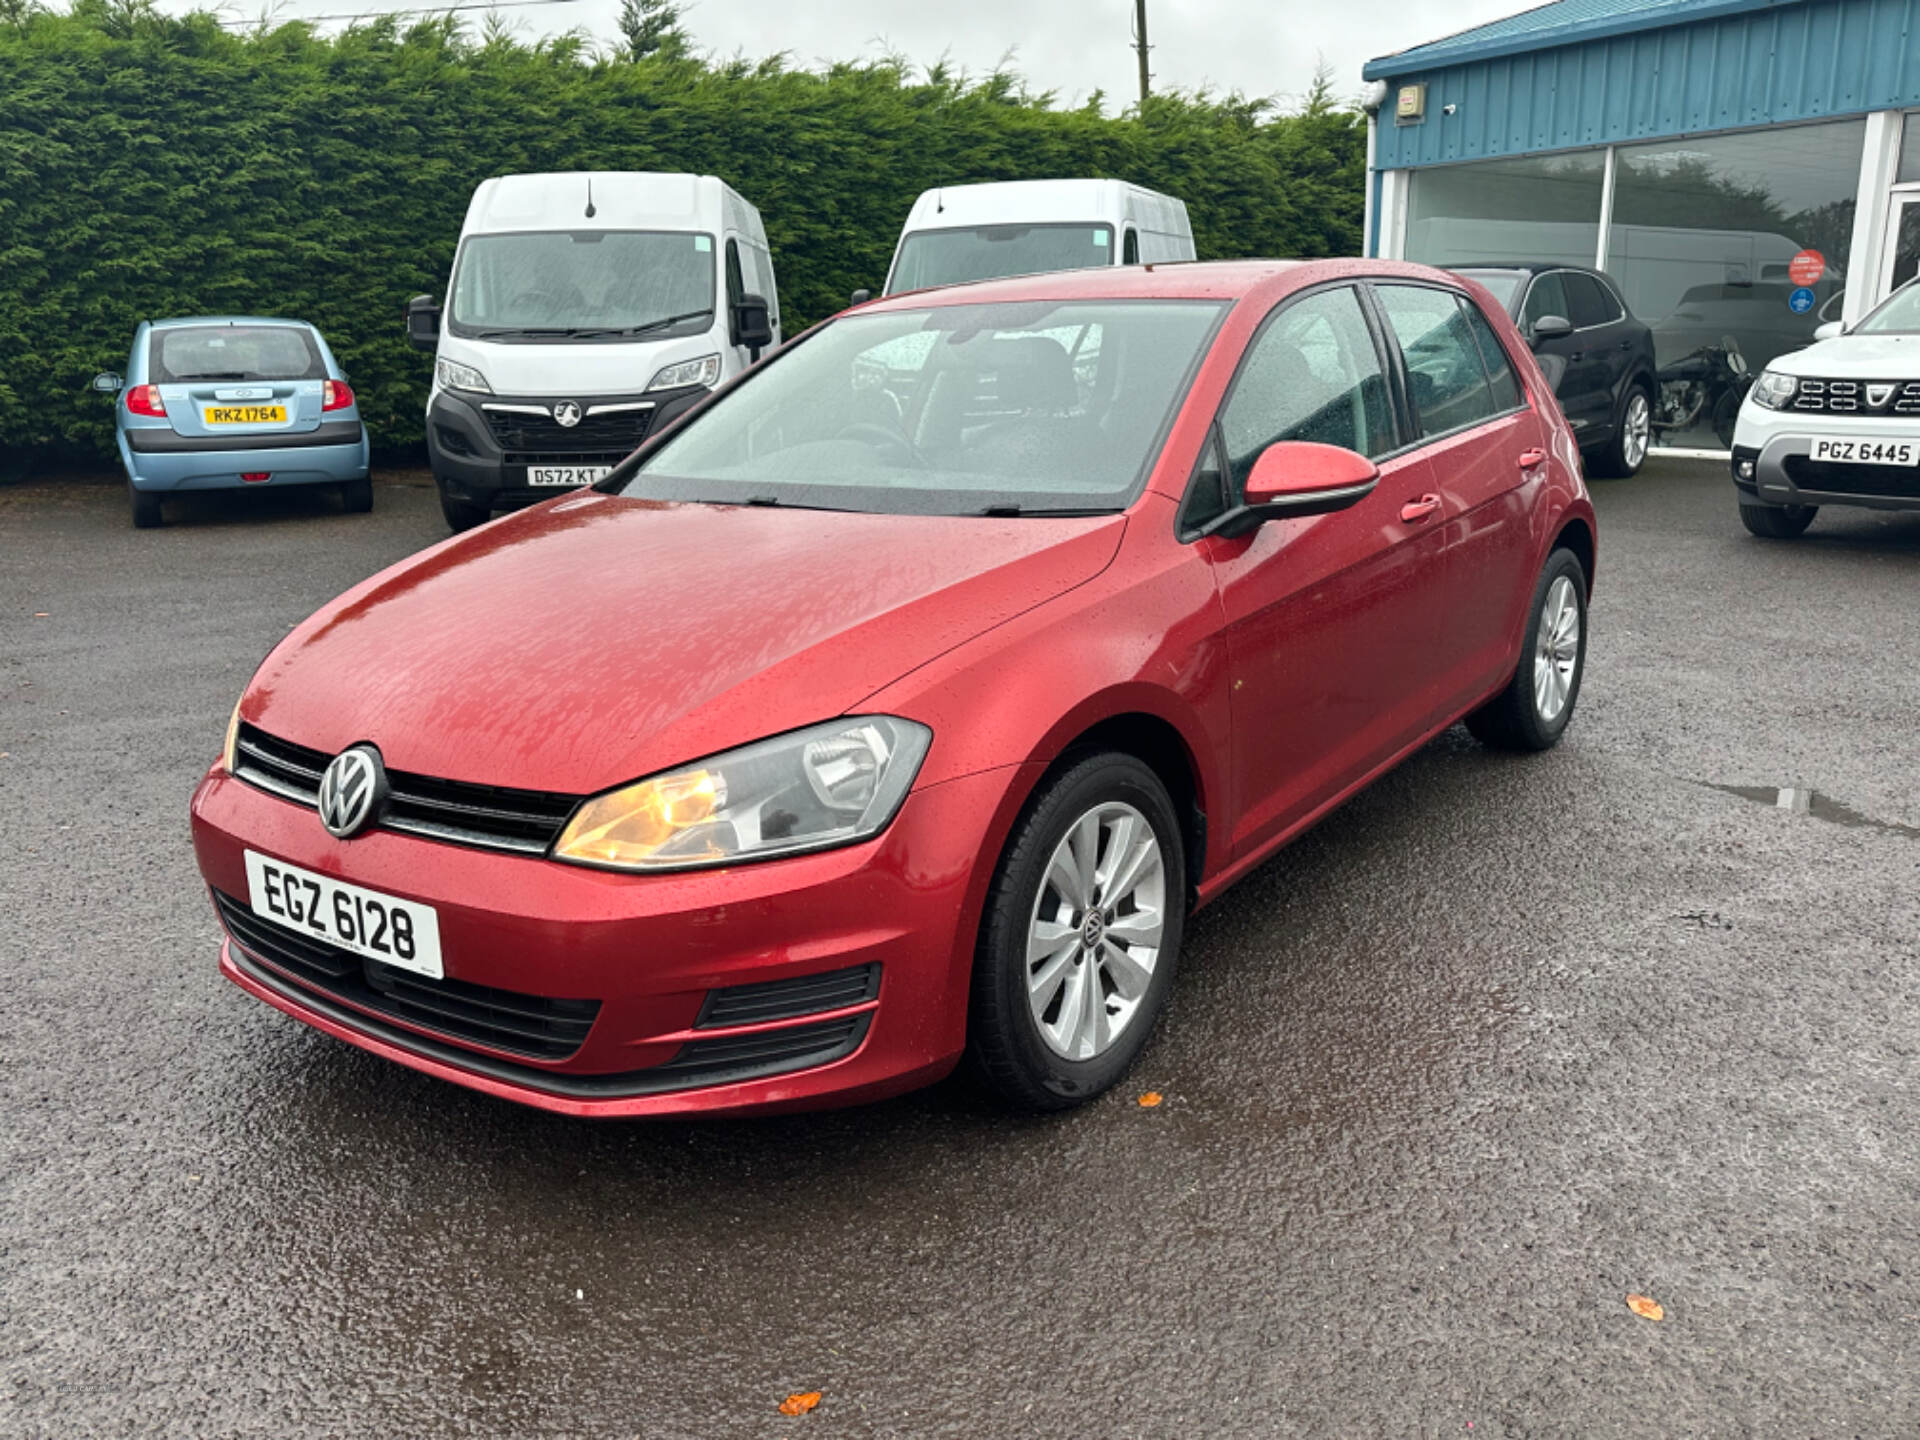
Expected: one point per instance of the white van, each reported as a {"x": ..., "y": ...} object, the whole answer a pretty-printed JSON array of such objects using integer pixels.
[
  {"x": 1025, "y": 227},
  {"x": 584, "y": 311}
]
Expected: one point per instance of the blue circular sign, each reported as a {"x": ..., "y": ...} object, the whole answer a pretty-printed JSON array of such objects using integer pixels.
[{"x": 1800, "y": 301}]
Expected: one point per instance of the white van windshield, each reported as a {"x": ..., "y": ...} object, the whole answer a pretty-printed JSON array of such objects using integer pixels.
[
  {"x": 583, "y": 285},
  {"x": 994, "y": 252},
  {"x": 1026, "y": 408}
]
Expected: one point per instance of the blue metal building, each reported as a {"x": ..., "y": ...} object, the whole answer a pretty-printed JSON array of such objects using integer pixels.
[{"x": 1745, "y": 169}]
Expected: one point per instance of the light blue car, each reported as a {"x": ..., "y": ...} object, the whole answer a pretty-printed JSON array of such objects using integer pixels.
[{"x": 222, "y": 402}]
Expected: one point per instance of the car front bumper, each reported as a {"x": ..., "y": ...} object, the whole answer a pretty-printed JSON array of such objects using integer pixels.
[
  {"x": 650, "y": 949},
  {"x": 473, "y": 463},
  {"x": 1773, "y": 461}
]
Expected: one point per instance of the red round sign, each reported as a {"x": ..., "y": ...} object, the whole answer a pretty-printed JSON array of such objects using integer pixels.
[{"x": 1807, "y": 267}]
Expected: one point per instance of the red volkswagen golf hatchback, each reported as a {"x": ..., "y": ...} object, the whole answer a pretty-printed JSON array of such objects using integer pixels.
[{"x": 900, "y": 703}]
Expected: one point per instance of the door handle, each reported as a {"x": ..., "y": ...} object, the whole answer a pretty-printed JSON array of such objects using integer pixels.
[
  {"x": 1414, "y": 511},
  {"x": 1531, "y": 459}
]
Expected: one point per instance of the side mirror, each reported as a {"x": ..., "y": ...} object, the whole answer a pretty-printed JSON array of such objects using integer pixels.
[
  {"x": 1550, "y": 327},
  {"x": 1832, "y": 330},
  {"x": 423, "y": 322},
  {"x": 861, "y": 297},
  {"x": 752, "y": 324},
  {"x": 1297, "y": 478},
  {"x": 107, "y": 383}
]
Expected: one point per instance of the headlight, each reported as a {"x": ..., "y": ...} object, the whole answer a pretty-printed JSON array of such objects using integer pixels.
[
  {"x": 455, "y": 376},
  {"x": 813, "y": 789},
  {"x": 1774, "y": 390},
  {"x": 229, "y": 750},
  {"x": 704, "y": 371}
]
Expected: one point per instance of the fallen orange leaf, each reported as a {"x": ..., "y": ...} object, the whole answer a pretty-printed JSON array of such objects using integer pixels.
[
  {"x": 800, "y": 1402},
  {"x": 1646, "y": 1309},
  {"x": 1150, "y": 1099}
]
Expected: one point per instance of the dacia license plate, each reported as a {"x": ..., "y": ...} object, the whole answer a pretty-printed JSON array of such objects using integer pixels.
[{"x": 1868, "y": 452}]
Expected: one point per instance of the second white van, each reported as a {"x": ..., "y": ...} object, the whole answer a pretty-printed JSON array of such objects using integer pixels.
[
  {"x": 585, "y": 310},
  {"x": 959, "y": 233}
]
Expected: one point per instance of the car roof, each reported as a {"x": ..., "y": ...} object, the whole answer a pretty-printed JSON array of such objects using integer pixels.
[
  {"x": 1526, "y": 267},
  {"x": 180, "y": 320},
  {"x": 1182, "y": 280}
]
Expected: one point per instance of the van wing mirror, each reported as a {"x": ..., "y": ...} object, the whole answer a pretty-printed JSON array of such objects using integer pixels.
[
  {"x": 860, "y": 297},
  {"x": 423, "y": 322},
  {"x": 1297, "y": 478},
  {"x": 753, "y": 323},
  {"x": 1550, "y": 327},
  {"x": 107, "y": 383}
]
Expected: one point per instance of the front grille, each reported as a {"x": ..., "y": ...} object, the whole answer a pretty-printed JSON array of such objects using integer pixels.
[
  {"x": 522, "y": 436},
  {"x": 1849, "y": 397},
  {"x": 491, "y": 817},
  {"x": 608, "y": 458},
  {"x": 529, "y": 1025},
  {"x": 789, "y": 999},
  {"x": 1839, "y": 477}
]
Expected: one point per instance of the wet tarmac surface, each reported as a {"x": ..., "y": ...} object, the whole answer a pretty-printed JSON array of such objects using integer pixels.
[{"x": 1501, "y": 1042}]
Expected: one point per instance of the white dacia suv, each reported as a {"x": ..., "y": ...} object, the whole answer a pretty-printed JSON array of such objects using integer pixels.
[{"x": 1835, "y": 424}]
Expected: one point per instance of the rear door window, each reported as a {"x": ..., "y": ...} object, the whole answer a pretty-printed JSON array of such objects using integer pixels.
[
  {"x": 1506, "y": 385},
  {"x": 1445, "y": 374},
  {"x": 1590, "y": 304},
  {"x": 188, "y": 353}
]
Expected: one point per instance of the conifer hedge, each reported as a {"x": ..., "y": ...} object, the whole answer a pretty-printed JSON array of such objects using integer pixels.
[{"x": 153, "y": 166}]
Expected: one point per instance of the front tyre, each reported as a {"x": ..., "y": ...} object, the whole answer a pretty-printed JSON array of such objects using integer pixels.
[
  {"x": 1532, "y": 712},
  {"x": 1777, "y": 522},
  {"x": 1080, "y": 937},
  {"x": 462, "y": 514}
]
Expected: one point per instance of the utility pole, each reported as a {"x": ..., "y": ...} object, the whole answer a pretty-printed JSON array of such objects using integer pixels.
[{"x": 1140, "y": 44}]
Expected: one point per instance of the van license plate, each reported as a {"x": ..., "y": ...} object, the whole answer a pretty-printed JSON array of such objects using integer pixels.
[
  {"x": 562, "y": 475},
  {"x": 378, "y": 927},
  {"x": 246, "y": 414},
  {"x": 1868, "y": 452}
]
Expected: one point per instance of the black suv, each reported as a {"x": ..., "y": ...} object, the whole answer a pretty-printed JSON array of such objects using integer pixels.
[{"x": 1597, "y": 357}]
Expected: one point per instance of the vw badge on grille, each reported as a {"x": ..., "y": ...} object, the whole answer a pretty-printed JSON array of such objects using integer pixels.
[
  {"x": 566, "y": 414},
  {"x": 1878, "y": 395},
  {"x": 352, "y": 790}
]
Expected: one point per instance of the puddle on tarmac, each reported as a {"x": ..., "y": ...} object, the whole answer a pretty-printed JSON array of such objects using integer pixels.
[{"x": 1802, "y": 801}]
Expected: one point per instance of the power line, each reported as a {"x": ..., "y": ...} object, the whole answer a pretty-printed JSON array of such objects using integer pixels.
[{"x": 413, "y": 10}]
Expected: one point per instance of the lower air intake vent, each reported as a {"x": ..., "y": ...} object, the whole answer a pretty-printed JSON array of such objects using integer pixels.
[{"x": 789, "y": 999}]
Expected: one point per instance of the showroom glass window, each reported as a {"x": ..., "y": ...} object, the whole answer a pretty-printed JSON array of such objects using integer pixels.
[
  {"x": 1543, "y": 207},
  {"x": 1705, "y": 233}
]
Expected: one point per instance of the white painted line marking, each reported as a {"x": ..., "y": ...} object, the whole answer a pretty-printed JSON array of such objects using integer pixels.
[{"x": 1797, "y": 801}]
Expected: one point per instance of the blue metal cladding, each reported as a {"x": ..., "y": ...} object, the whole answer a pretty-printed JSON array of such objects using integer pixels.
[{"x": 1770, "y": 66}]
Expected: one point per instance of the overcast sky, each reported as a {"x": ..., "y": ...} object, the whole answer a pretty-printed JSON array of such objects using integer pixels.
[{"x": 1073, "y": 47}]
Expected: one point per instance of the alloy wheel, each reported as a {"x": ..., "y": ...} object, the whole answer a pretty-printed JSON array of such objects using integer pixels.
[
  {"x": 1556, "y": 649},
  {"x": 1096, "y": 930},
  {"x": 1637, "y": 431}
]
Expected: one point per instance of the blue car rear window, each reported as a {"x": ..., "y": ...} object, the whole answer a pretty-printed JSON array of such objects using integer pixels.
[{"x": 188, "y": 353}]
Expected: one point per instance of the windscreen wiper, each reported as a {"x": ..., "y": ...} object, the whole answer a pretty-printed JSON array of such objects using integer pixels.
[
  {"x": 671, "y": 320},
  {"x": 210, "y": 375},
  {"x": 1010, "y": 510}
]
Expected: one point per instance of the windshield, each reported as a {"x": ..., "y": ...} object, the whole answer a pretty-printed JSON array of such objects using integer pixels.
[
  {"x": 1899, "y": 316},
  {"x": 1016, "y": 408},
  {"x": 233, "y": 352},
  {"x": 1504, "y": 284},
  {"x": 583, "y": 284},
  {"x": 993, "y": 252}
]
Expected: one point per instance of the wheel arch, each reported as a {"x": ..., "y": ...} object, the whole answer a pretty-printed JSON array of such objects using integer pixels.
[{"x": 1576, "y": 534}]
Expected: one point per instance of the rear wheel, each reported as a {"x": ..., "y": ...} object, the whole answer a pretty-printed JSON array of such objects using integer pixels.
[
  {"x": 1777, "y": 522},
  {"x": 356, "y": 496},
  {"x": 462, "y": 514},
  {"x": 1080, "y": 936},
  {"x": 145, "y": 506},
  {"x": 1533, "y": 711}
]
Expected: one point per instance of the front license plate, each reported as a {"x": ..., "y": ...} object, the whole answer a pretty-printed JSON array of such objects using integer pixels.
[
  {"x": 379, "y": 927},
  {"x": 1868, "y": 452},
  {"x": 246, "y": 414},
  {"x": 567, "y": 474}
]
